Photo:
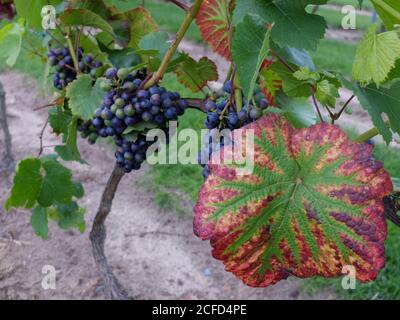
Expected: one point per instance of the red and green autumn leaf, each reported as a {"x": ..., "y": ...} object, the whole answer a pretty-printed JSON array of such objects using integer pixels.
[
  {"x": 214, "y": 21},
  {"x": 270, "y": 82},
  {"x": 313, "y": 204}
]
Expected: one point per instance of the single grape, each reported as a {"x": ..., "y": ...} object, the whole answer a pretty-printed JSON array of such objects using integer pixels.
[
  {"x": 263, "y": 104},
  {"x": 255, "y": 113},
  {"x": 228, "y": 86},
  {"x": 143, "y": 94},
  {"x": 120, "y": 114},
  {"x": 129, "y": 110},
  {"x": 171, "y": 113},
  {"x": 155, "y": 99},
  {"x": 111, "y": 73},
  {"x": 122, "y": 73},
  {"x": 119, "y": 102},
  {"x": 147, "y": 116}
]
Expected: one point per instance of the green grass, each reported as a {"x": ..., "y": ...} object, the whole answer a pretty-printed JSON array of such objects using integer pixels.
[
  {"x": 174, "y": 183},
  {"x": 335, "y": 56}
]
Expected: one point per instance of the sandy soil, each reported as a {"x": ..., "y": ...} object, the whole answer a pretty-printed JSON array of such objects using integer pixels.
[{"x": 154, "y": 254}]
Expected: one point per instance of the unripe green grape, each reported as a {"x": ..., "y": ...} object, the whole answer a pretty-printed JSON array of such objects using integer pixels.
[
  {"x": 119, "y": 103},
  {"x": 129, "y": 110},
  {"x": 106, "y": 85},
  {"x": 114, "y": 108},
  {"x": 122, "y": 73},
  {"x": 120, "y": 114}
]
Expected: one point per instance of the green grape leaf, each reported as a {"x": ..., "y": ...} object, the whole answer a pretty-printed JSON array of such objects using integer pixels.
[
  {"x": 11, "y": 41},
  {"x": 27, "y": 184},
  {"x": 298, "y": 111},
  {"x": 40, "y": 223},
  {"x": 84, "y": 98},
  {"x": 305, "y": 74},
  {"x": 154, "y": 46},
  {"x": 376, "y": 56},
  {"x": 125, "y": 58},
  {"x": 214, "y": 22},
  {"x": 87, "y": 18},
  {"x": 327, "y": 93},
  {"x": 312, "y": 204},
  {"x": 293, "y": 26},
  {"x": 250, "y": 45},
  {"x": 59, "y": 121},
  {"x": 31, "y": 11},
  {"x": 57, "y": 184},
  {"x": 195, "y": 74},
  {"x": 77, "y": 189},
  {"x": 379, "y": 101},
  {"x": 395, "y": 73},
  {"x": 70, "y": 151},
  {"x": 298, "y": 57},
  {"x": 70, "y": 216},
  {"x": 290, "y": 85},
  {"x": 141, "y": 25},
  {"x": 389, "y": 12}
]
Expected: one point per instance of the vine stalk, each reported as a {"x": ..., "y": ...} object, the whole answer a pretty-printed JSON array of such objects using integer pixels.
[
  {"x": 8, "y": 160},
  {"x": 113, "y": 288},
  {"x": 190, "y": 16}
]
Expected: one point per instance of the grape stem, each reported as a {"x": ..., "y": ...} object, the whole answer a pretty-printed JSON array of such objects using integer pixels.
[
  {"x": 190, "y": 16},
  {"x": 238, "y": 92},
  {"x": 8, "y": 159},
  {"x": 181, "y": 5},
  {"x": 41, "y": 134},
  {"x": 72, "y": 51},
  {"x": 336, "y": 116},
  {"x": 364, "y": 137},
  {"x": 195, "y": 103},
  {"x": 114, "y": 290},
  {"x": 314, "y": 99}
]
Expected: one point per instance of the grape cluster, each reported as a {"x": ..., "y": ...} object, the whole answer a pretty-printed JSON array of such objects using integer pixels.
[
  {"x": 65, "y": 71},
  {"x": 130, "y": 155},
  {"x": 126, "y": 105},
  {"x": 223, "y": 114}
]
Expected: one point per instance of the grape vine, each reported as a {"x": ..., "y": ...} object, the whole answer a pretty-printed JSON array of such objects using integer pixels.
[{"x": 315, "y": 199}]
